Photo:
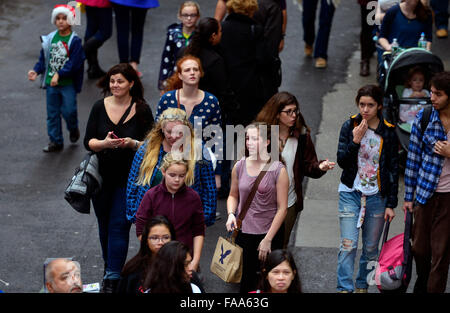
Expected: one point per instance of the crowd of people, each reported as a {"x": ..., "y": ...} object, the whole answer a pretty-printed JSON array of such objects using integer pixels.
[{"x": 163, "y": 175}]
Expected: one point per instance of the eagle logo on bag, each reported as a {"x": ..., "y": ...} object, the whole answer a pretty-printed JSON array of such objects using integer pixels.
[{"x": 223, "y": 255}]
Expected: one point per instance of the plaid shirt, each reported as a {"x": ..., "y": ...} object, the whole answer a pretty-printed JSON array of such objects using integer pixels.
[{"x": 423, "y": 166}]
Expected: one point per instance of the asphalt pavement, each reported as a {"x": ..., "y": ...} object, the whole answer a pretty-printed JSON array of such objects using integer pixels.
[{"x": 36, "y": 222}]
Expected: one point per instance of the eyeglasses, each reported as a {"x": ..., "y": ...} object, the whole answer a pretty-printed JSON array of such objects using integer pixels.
[
  {"x": 290, "y": 112},
  {"x": 186, "y": 16},
  {"x": 155, "y": 239}
]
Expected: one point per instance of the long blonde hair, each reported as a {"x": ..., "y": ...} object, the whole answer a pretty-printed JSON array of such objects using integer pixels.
[{"x": 155, "y": 139}]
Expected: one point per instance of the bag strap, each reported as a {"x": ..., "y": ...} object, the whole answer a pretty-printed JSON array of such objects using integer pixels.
[
  {"x": 425, "y": 118},
  {"x": 178, "y": 97},
  {"x": 125, "y": 115},
  {"x": 249, "y": 199}
]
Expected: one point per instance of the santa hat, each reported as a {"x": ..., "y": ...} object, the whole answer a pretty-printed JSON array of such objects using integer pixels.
[{"x": 65, "y": 9}]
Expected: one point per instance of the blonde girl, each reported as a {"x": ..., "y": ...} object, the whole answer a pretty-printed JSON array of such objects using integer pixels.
[{"x": 172, "y": 133}]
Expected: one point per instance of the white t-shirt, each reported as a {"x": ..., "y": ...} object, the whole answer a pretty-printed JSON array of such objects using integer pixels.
[
  {"x": 408, "y": 112},
  {"x": 366, "y": 180},
  {"x": 288, "y": 155},
  {"x": 407, "y": 92}
]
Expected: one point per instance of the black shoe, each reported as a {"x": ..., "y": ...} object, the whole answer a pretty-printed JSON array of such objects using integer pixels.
[
  {"x": 74, "y": 135},
  {"x": 95, "y": 72},
  {"x": 109, "y": 285},
  {"x": 364, "y": 68},
  {"x": 53, "y": 147},
  {"x": 91, "y": 50}
]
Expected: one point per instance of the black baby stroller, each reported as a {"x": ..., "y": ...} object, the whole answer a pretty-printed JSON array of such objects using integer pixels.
[{"x": 402, "y": 111}]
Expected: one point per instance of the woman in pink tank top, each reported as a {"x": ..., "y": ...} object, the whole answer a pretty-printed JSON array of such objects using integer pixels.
[{"x": 262, "y": 228}]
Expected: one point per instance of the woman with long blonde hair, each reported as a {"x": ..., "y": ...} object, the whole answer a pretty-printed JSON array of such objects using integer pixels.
[{"x": 173, "y": 133}]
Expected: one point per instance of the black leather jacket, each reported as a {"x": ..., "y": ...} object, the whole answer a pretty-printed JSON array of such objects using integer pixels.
[{"x": 347, "y": 158}]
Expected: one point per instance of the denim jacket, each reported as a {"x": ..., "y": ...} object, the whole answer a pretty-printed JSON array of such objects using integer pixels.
[
  {"x": 73, "y": 68},
  {"x": 387, "y": 173}
]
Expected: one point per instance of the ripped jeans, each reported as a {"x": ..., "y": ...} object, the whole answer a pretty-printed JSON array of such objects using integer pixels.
[{"x": 372, "y": 228}]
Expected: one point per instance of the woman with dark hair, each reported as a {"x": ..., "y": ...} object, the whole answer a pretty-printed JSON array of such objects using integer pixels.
[
  {"x": 116, "y": 126},
  {"x": 368, "y": 155},
  {"x": 279, "y": 274},
  {"x": 297, "y": 150},
  {"x": 406, "y": 22},
  {"x": 262, "y": 228},
  {"x": 203, "y": 45},
  {"x": 157, "y": 232},
  {"x": 170, "y": 272}
]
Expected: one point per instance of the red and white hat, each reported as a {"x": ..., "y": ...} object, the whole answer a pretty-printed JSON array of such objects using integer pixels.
[{"x": 65, "y": 9}]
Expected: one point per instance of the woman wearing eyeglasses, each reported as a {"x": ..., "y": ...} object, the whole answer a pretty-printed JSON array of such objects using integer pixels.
[
  {"x": 158, "y": 231},
  {"x": 296, "y": 149},
  {"x": 179, "y": 36}
]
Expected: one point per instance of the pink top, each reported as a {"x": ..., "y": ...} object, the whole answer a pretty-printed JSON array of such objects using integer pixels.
[
  {"x": 444, "y": 179},
  {"x": 263, "y": 208},
  {"x": 96, "y": 3}
]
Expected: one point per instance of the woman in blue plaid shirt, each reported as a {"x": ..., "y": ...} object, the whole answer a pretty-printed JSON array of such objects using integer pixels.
[{"x": 145, "y": 172}]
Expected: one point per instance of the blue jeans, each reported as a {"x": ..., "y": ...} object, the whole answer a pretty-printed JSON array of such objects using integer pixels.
[
  {"x": 124, "y": 16},
  {"x": 61, "y": 100},
  {"x": 440, "y": 8},
  {"x": 325, "y": 21},
  {"x": 99, "y": 23},
  {"x": 372, "y": 228},
  {"x": 113, "y": 227}
]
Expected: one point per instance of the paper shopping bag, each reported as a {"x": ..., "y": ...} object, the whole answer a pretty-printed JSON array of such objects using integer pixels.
[{"x": 227, "y": 261}]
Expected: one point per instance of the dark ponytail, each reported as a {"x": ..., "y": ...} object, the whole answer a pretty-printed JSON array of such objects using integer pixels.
[{"x": 202, "y": 34}]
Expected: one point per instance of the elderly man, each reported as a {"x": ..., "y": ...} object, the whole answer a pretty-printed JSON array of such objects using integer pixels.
[{"x": 63, "y": 276}]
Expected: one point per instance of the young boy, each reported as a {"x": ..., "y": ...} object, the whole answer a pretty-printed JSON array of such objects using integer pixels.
[{"x": 61, "y": 63}]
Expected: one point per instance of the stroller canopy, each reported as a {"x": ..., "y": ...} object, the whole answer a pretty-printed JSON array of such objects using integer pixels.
[{"x": 398, "y": 70}]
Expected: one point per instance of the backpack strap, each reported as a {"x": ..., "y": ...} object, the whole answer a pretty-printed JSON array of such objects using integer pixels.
[{"x": 425, "y": 118}]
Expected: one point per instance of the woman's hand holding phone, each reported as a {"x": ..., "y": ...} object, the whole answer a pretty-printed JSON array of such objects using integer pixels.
[{"x": 112, "y": 141}]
